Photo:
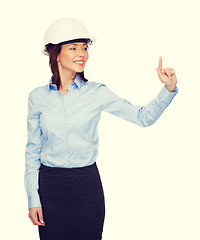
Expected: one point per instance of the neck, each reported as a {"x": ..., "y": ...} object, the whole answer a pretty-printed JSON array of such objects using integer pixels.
[{"x": 66, "y": 78}]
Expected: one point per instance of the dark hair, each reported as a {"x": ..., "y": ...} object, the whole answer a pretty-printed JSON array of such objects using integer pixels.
[{"x": 54, "y": 50}]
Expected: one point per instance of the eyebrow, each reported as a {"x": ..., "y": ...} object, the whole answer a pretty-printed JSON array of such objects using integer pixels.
[{"x": 77, "y": 44}]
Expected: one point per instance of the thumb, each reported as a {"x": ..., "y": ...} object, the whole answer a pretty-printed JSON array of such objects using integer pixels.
[
  {"x": 40, "y": 216},
  {"x": 159, "y": 72}
]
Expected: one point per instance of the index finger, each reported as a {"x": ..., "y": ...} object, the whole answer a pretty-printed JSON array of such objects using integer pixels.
[{"x": 160, "y": 63}]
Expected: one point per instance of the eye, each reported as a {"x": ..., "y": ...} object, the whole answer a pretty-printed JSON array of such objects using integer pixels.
[
  {"x": 85, "y": 47},
  {"x": 72, "y": 48}
]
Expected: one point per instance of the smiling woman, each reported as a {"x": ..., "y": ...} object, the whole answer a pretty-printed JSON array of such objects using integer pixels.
[{"x": 63, "y": 184}]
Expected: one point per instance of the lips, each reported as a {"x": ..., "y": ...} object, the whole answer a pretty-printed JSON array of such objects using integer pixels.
[{"x": 79, "y": 62}]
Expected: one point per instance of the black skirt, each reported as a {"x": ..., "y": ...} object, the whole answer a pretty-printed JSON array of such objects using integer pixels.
[{"x": 72, "y": 203}]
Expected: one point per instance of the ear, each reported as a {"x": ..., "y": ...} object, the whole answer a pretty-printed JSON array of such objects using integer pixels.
[{"x": 58, "y": 57}]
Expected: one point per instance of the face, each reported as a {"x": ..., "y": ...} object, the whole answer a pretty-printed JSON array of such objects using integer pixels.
[{"x": 73, "y": 57}]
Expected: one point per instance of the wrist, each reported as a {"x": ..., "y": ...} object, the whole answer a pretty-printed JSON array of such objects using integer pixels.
[{"x": 170, "y": 88}]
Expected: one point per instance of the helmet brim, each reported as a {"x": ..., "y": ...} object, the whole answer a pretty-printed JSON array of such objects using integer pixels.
[{"x": 91, "y": 41}]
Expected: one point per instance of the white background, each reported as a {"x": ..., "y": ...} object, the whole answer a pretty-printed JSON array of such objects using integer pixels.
[{"x": 150, "y": 176}]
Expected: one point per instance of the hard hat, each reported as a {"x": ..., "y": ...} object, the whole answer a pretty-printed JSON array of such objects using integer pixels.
[{"x": 64, "y": 30}]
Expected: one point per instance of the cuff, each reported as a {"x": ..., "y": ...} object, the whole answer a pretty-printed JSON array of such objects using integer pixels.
[
  {"x": 165, "y": 96},
  {"x": 167, "y": 93},
  {"x": 175, "y": 89},
  {"x": 34, "y": 201}
]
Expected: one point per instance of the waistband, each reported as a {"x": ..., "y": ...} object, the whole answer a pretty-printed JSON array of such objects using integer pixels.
[{"x": 68, "y": 171}]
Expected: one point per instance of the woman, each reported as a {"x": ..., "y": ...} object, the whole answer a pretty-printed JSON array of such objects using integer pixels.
[{"x": 65, "y": 194}]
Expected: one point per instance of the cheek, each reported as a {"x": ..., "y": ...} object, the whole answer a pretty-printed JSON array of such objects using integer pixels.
[
  {"x": 86, "y": 56},
  {"x": 66, "y": 58}
]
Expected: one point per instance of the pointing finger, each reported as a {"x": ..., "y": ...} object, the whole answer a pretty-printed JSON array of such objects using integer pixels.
[
  {"x": 160, "y": 63},
  {"x": 159, "y": 73}
]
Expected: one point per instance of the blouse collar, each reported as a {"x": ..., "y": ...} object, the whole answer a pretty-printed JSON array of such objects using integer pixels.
[{"x": 77, "y": 82}]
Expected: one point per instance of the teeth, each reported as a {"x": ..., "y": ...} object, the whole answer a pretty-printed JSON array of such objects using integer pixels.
[{"x": 79, "y": 62}]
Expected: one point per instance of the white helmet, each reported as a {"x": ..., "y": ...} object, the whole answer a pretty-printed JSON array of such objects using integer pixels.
[{"x": 63, "y": 30}]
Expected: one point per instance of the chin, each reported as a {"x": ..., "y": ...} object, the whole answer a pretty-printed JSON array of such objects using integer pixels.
[{"x": 80, "y": 69}]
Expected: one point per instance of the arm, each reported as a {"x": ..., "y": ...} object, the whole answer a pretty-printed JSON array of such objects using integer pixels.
[
  {"x": 141, "y": 115},
  {"x": 32, "y": 155}
]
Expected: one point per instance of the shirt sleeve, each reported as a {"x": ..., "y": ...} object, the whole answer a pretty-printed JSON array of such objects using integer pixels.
[
  {"x": 32, "y": 155},
  {"x": 141, "y": 115}
]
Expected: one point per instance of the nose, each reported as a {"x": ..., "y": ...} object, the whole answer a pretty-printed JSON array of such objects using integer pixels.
[{"x": 80, "y": 53}]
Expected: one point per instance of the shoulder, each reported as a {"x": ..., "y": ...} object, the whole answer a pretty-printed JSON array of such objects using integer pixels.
[
  {"x": 93, "y": 84},
  {"x": 37, "y": 95},
  {"x": 101, "y": 90},
  {"x": 38, "y": 91},
  {"x": 98, "y": 89}
]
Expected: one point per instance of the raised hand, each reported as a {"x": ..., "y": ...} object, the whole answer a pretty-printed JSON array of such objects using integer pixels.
[{"x": 167, "y": 76}]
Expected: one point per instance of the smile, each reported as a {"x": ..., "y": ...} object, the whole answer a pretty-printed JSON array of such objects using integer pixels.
[{"x": 80, "y": 63}]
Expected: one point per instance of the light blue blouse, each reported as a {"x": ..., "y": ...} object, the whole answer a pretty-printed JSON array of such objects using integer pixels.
[{"x": 63, "y": 130}]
